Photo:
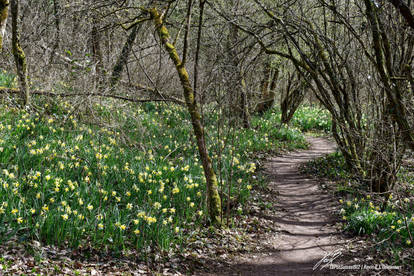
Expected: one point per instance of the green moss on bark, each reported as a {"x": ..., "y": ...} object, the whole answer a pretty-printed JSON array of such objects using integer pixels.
[{"x": 19, "y": 55}]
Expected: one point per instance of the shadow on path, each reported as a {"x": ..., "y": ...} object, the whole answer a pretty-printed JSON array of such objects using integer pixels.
[{"x": 303, "y": 215}]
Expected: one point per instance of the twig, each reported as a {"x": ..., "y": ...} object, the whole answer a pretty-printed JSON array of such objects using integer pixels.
[{"x": 4, "y": 90}]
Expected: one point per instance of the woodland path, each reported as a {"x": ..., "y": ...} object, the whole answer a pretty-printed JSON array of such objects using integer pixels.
[{"x": 303, "y": 213}]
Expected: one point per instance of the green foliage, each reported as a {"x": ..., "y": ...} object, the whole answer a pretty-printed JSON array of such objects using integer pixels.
[
  {"x": 7, "y": 79},
  {"x": 308, "y": 118},
  {"x": 389, "y": 221},
  {"x": 135, "y": 184},
  {"x": 365, "y": 217},
  {"x": 268, "y": 125}
]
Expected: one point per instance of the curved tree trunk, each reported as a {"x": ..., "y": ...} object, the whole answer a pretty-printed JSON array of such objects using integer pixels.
[{"x": 213, "y": 197}]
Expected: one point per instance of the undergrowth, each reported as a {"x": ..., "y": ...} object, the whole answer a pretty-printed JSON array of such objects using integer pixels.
[
  {"x": 388, "y": 221},
  {"x": 116, "y": 179},
  {"x": 311, "y": 118},
  {"x": 7, "y": 79}
]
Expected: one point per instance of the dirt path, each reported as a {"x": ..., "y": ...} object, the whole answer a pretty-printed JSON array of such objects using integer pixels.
[{"x": 303, "y": 213}]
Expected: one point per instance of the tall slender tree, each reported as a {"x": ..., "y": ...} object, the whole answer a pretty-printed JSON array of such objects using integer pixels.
[{"x": 213, "y": 197}]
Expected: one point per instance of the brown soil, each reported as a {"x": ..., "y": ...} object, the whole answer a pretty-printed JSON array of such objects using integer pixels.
[{"x": 304, "y": 215}]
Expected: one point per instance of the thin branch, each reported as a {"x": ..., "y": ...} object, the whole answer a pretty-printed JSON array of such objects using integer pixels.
[
  {"x": 197, "y": 53},
  {"x": 4, "y": 90},
  {"x": 404, "y": 11},
  {"x": 187, "y": 31}
]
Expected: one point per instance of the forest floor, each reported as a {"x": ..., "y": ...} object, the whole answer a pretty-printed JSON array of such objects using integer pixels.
[
  {"x": 291, "y": 227},
  {"x": 306, "y": 237},
  {"x": 303, "y": 214}
]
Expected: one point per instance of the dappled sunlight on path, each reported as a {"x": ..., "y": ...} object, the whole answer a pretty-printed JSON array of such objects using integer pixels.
[{"x": 303, "y": 213}]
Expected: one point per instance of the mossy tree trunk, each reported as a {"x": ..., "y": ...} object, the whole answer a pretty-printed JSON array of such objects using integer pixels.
[
  {"x": 18, "y": 53},
  {"x": 4, "y": 9},
  {"x": 213, "y": 197}
]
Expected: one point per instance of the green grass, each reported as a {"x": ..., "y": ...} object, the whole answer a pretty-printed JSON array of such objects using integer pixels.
[
  {"x": 130, "y": 180},
  {"x": 283, "y": 136}
]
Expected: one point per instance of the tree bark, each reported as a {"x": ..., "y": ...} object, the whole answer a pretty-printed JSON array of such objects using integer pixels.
[
  {"x": 404, "y": 11},
  {"x": 268, "y": 86},
  {"x": 197, "y": 53},
  {"x": 19, "y": 55},
  {"x": 295, "y": 93},
  {"x": 239, "y": 86},
  {"x": 213, "y": 197},
  {"x": 56, "y": 11},
  {"x": 384, "y": 70},
  {"x": 123, "y": 57},
  {"x": 4, "y": 8},
  {"x": 96, "y": 50}
]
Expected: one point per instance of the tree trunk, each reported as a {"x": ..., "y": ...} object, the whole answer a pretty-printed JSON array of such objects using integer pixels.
[
  {"x": 56, "y": 11},
  {"x": 404, "y": 11},
  {"x": 213, "y": 197},
  {"x": 96, "y": 50},
  {"x": 262, "y": 106},
  {"x": 238, "y": 88},
  {"x": 384, "y": 70},
  {"x": 4, "y": 8},
  {"x": 292, "y": 99},
  {"x": 18, "y": 53},
  {"x": 123, "y": 57},
  {"x": 244, "y": 104}
]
